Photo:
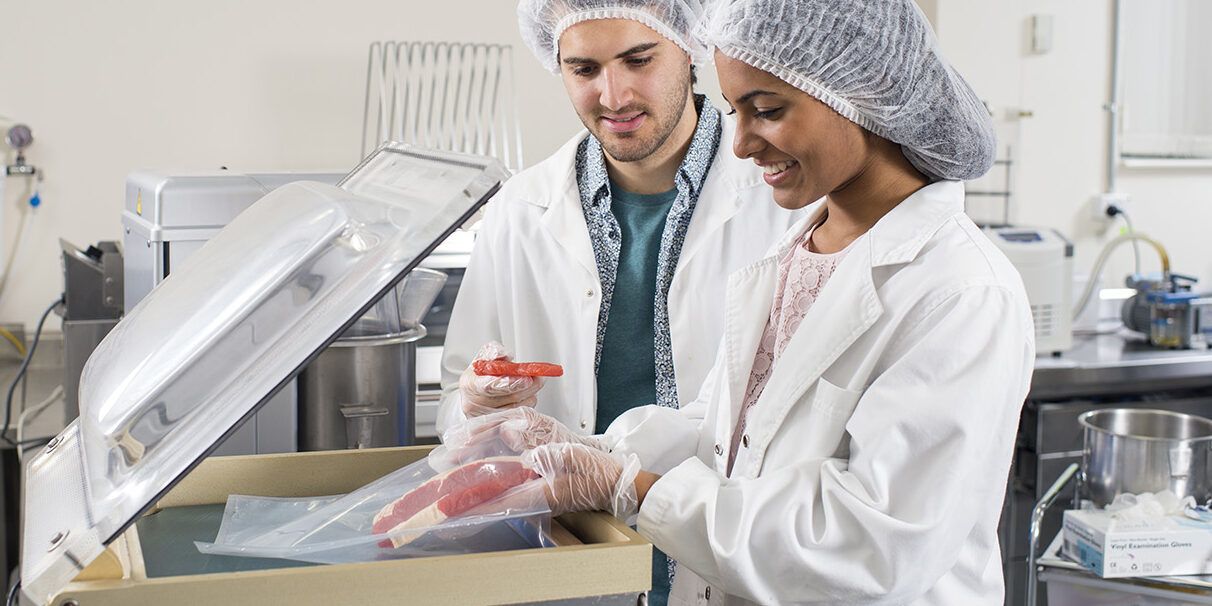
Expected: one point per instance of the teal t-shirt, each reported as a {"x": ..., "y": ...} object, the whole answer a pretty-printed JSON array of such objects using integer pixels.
[{"x": 627, "y": 371}]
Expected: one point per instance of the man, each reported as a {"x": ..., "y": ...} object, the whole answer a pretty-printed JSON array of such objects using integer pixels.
[
  {"x": 554, "y": 275},
  {"x": 611, "y": 256}
]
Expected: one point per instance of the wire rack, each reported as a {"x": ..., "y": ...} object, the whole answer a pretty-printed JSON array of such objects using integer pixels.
[
  {"x": 987, "y": 199},
  {"x": 452, "y": 96}
]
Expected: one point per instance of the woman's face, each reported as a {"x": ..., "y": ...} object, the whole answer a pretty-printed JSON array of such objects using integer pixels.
[{"x": 806, "y": 149}]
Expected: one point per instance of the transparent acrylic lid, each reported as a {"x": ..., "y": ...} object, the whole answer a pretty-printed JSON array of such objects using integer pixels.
[{"x": 223, "y": 332}]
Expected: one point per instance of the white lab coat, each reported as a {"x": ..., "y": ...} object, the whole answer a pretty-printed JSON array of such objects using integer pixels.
[
  {"x": 875, "y": 461},
  {"x": 532, "y": 282}
]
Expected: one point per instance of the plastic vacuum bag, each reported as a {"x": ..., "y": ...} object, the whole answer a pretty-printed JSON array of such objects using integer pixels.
[{"x": 342, "y": 528}]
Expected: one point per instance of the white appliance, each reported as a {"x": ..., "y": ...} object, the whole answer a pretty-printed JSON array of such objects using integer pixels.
[
  {"x": 1044, "y": 259},
  {"x": 169, "y": 215}
]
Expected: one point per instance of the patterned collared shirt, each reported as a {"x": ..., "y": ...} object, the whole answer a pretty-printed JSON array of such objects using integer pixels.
[{"x": 594, "y": 185}]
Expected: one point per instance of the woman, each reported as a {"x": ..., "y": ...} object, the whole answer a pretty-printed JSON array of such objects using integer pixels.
[{"x": 852, "y": 442}]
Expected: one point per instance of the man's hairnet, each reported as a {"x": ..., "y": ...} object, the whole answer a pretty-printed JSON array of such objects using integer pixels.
[
  {"x": 542, "y": 22},
  {"x": 875, "y": 62}
]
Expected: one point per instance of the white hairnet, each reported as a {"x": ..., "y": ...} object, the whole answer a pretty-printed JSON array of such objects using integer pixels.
[
  {"x": 875, "y": 62},
  {"x": 543, "y": 22}
]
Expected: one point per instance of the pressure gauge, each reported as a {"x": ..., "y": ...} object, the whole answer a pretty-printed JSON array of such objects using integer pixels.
[{"x": 19, "y": 137}]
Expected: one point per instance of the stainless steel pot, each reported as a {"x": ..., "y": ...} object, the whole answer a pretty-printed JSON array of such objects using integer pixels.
[
  {"x": 1134, "y": 450},
  {"x": 361, "y": 393}
]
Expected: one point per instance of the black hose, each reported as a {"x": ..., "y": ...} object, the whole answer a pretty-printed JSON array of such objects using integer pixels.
[{"x": 29, "y": 355}]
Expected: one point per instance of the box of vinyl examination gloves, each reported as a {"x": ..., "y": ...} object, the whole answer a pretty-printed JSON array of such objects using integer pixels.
[{"x": 1156, "y": 546}]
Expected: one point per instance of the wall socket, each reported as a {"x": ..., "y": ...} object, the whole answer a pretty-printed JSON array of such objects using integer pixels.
[{"x": 1101, "y": 202}]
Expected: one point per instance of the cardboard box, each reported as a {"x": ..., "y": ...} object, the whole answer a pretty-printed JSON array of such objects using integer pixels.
[
  {"x": 1112, "y": 548},
  {"x": 598, "y": 554}
]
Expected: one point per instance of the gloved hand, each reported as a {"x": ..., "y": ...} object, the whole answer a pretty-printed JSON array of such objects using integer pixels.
[
  {"x": 517, "y": 428},
  {"x": 582, "y": 478},
  {"x": 489, "y": 394}
]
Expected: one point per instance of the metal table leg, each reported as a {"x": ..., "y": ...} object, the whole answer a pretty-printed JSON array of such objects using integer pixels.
[{"x": 1037, "y": 518}]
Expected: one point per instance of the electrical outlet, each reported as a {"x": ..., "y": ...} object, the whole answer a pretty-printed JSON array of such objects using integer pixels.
[{"x": 1101, "y": 202}]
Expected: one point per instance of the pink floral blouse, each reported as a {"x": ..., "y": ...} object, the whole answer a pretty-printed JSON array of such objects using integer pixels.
[{"x": 802, "y": 275}]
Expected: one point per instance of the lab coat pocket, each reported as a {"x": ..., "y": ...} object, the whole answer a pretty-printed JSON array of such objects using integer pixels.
[
  {"x": 831, "y": 409},
  {"x": 834, "y": 402}
]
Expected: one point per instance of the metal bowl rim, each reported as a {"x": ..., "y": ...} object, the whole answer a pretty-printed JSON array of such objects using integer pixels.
[
  {"x": 409, "y": 335},
  {"x": 1086, "y": 424}
]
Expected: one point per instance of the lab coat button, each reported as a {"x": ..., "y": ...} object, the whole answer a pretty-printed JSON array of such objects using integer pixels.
[
  {"x": 719, "y": 451},
  {"x": 589, "y": 292},
  {"x": 745, "y": 440},
  {"x": 584, "y": 424}
]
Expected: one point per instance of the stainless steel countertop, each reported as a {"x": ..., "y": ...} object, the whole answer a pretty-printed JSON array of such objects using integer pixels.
[{"x": 1118, "y": 363}]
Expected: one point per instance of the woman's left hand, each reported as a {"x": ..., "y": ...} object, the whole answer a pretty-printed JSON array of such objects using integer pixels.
[
  {"x": 583, "y": 478},
  {"x": 518, "y": 428}
]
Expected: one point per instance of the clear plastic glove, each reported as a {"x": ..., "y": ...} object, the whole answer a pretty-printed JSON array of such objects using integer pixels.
[
  {"x": 1130, "y": 507},
  {"x": 489, "y": 394},
  {"x": 518, "y": 428},
  {"x": 582, "y": 478}
]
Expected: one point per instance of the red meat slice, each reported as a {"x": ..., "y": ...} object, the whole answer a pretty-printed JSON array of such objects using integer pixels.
[
  {"x": 505, "y": 368},
  {"x": 449, "y": 494}
]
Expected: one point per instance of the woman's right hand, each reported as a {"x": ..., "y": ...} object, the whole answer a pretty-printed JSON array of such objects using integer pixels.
[
  {"x": 580, "y": 478},
  {"x": 483, "y": 395}
]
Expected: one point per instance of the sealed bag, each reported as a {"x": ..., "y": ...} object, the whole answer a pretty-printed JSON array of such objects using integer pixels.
[{"x": 470, "y": 500}]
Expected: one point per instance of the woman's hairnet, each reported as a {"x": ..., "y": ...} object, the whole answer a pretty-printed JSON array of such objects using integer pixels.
[
  {"x": 542, "y": 22},
  {"x": 875, "y": 62}
]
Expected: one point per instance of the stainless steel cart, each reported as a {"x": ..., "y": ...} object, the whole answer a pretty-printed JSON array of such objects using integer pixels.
[{"x": 1071, "y": 584}]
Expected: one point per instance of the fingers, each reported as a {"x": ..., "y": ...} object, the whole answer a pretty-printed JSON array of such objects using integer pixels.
[
  {"x": 481, "y": 394},
  {"x": 538, "y": 460},
  {"x": 492, "y": 350},
  {"x": 522, "y": 435},
  {"x": 518, "y": 427},
  {"x": 513, "y": 430},
  {"x": 476, "y": 404},
  {"x": 625, "y": 502},
  {"x": 487, "y": 394},
  {"x": 580, "y": 477},
  {"x": 494, "y": 387},
  {"x": 472, "y": 410}
]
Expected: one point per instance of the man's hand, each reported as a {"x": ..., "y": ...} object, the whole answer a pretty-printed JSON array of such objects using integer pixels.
[{"x": 484, "y": 395}]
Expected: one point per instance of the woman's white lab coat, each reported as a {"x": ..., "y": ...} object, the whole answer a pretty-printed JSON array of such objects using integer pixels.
[
  {"x": 875, "y": 462},
  {"x": 532, "y": 282}
]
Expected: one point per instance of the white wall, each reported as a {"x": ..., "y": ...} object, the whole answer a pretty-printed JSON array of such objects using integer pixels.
[
  {"x": 275, "y": 84},
  {"x": 1061, "y": 162},
  {"x": 109, "y": 87}
]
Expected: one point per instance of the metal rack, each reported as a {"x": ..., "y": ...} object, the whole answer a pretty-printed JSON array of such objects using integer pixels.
[
  {"x": 983, "y": 188},
  {"x": 450, "y": 96},
  {"x": 1048, "y": 566}
]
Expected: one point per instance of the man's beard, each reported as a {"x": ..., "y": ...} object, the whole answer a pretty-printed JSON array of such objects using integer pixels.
[{"x": 628, "y": 147}]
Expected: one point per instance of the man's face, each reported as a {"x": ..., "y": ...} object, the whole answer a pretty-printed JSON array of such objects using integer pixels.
[{"x": 629, "y": 84}]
